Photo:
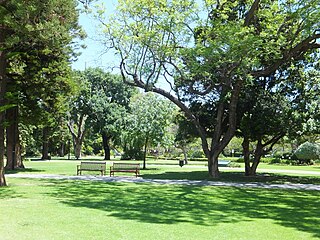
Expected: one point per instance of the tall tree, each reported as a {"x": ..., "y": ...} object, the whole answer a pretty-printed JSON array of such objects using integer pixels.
[
  {"x": 107, "y": 104},
  {"x": 146, "y": 124},
  {"x": 276, "y": 106},
  {"x": 34, "y": 37},
  {"x": 208, "y": 54}
]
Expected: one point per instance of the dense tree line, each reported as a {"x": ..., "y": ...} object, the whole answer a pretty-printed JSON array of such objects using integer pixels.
[{"x": 36, "y": 45}]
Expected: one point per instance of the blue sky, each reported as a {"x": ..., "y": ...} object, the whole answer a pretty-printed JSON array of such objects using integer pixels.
[{"x": 94, "y": 55}]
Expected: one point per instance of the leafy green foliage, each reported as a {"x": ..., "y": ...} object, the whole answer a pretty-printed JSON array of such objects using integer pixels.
[
  {"x": 146, "y": 124},
  {"x": 308, "y": 151},
  {"x": 101, "y": 104}
]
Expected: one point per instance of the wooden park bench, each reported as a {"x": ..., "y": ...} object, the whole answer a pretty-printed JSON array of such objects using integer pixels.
[
  {"x": 125, "y": 167},
  {"x": 92, "y": 166}
]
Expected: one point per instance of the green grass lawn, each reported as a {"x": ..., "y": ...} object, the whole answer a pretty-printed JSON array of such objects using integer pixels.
[{"x": 60, "y": 209}]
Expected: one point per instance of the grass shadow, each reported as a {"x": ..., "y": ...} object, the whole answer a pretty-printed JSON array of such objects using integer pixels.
[
  {"x": 207, "y": 206},
  {"x": 234, "y": 177},
  {"x": 8, "y": 193},
  {"x": 24, "y": 170}
]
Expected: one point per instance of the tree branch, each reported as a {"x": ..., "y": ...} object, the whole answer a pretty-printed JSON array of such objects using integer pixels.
[
  {"x": 251, "y": 13},
  {"x": 295, "y": 53}
]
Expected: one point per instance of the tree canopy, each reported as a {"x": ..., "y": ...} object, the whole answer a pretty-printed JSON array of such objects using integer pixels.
[
  {"x": 208, "y": 51},
  {"x": 36, "y": 46}
]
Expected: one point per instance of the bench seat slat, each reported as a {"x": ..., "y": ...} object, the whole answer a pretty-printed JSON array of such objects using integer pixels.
[
  {"x": 125, "y": 167},
  {"x": 91, "y": 166}
]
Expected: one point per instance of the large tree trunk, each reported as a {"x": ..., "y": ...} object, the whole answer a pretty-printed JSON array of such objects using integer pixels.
[
  {"x": 246, "y": 156},
  {"x": 213, "y": 166},
  {"x": 14, "y": 159},
  {"x": 78, "y": 135},
  {"x": 3, "y": 87},
  {"x": 2, "y": 149},
  {"x": 106, "y": 145},
  {"x": 221, "y": 138},
  {"x": 45, "y": 144},
  {"x": 77, "y": 146}
]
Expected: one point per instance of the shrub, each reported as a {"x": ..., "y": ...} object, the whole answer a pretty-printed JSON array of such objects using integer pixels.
[
  {"x": 196, "y": 154},
  {"x": 307, "y": 152}
]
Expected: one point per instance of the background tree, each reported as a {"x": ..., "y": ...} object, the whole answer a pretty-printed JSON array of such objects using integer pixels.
[
  {"x": 100, "y": 105},
  {"x": 146, "y": 125},
  {"x": 208, "y": 54},
  {"x": 108, "y": 104}
]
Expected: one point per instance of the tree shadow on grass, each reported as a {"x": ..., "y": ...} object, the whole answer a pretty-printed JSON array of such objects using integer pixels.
[
  {"x": 8, "y": 193},
  {"x": 234, "y": 177},
  {"x": 206, "y": 206},
  {"x": 23, "y": 170}
]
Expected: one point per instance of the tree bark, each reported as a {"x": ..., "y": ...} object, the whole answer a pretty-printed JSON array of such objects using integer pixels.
[
  {"x": 221, "y": 138},
  {"x": 260, "y": 149},
  {"x": 14, "y": 159},
  {"x": 106, "y": 145},
  {"x": 145, "y": 152},
  {"x": 251, "y": 167},
  {"x": 62, "y": 149},
  {"x": 45, "y": 144},
  {"x": 246, "y": 156},
  {"x": 79, "y": 136},
  {"x": 3, "y": 87},
  {"x": 77, "y": 148},
  {"x": 258, "y": 152},
  {"x": 213, "y": 165},
  {"x": 184, "y": 150}
]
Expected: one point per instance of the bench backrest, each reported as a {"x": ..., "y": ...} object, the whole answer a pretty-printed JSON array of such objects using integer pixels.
[
  {"x": 93, "y": 165},
  {"x": 126, "y": 166}
]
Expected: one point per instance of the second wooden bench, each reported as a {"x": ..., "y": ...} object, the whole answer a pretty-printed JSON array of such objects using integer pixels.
[
  {"x": 92, "y": 166},
  {"x": 125, "y": 167}
]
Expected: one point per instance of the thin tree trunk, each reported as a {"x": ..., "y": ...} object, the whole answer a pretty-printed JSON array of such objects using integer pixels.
[
  {"x": 145, "y": 152},
  {"x": 257, "y": 157},
  {"x": 45, "y": 144},
  {"x": 184, "y": 150},
  {"x": 246, "y": 156},
  {"x": 221, "y": 138},
  {"x": 106, "y": 145},
  {"x": 62, "y": 149}
]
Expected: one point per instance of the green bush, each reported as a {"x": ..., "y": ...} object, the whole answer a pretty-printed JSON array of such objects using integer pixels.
[
  {"x": 196, "y": 154},
  {"x": 132, "y": 154},
  {"x": 307, "y": 152}
]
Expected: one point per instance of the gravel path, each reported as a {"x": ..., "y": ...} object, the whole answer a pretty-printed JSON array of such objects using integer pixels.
[{"x": 172, "y": 182}]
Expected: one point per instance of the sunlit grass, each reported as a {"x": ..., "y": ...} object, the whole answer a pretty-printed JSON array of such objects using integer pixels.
[{"x": 60, "y": 209}]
